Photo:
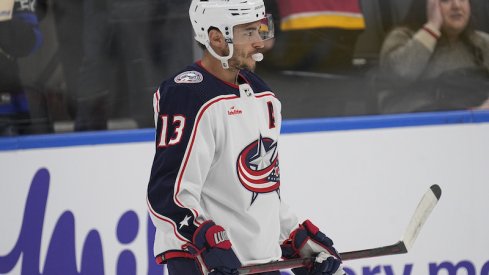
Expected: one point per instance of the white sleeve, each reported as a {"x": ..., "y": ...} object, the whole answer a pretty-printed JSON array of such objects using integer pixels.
[{"x": 196, "y": 164}]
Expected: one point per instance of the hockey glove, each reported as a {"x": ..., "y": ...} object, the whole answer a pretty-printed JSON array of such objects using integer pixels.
[
  {"x": 308, "y": 241},
  {"x": 212, "y": 248}
]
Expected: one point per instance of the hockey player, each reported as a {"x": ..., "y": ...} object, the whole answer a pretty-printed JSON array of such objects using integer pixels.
[{"x": 214, "y": 189}]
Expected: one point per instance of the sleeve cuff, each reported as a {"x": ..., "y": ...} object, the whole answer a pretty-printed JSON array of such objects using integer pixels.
[{"x": 428, "y": 36}]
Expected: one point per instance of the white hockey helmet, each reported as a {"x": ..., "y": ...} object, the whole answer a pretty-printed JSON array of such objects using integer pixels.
[{"x": 224, "y": 15}]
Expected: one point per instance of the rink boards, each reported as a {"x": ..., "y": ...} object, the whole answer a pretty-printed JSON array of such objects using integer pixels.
[{"x": 75, "y": 203}]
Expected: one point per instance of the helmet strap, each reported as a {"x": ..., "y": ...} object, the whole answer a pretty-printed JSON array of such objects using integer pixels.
[{"x": 224, "y": 59}]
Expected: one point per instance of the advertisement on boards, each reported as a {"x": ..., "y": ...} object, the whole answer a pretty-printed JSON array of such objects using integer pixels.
[{"x": 82, "y": 209}]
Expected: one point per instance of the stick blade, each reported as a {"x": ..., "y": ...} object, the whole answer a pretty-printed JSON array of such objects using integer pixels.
[
  {"x": 435, "y": 188},
  {"x": 421, "y": 214},
  {"x": 423, "y": 210}
]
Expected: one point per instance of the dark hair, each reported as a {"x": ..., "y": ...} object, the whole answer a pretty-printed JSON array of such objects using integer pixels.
[{"x": 416, "y": 17}]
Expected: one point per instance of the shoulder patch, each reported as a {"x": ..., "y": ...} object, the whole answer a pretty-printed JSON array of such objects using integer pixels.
[{"x": 189, "y": 77}]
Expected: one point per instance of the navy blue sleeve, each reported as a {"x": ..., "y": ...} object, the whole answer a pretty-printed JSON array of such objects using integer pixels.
[{"x": 174, "y": 105}]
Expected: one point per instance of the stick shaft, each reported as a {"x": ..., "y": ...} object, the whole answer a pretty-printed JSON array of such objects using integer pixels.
[
  {"x": 274, "y": 266},
  {"x": 397, "y": 248},
  {"x": 425, "y": 206}
]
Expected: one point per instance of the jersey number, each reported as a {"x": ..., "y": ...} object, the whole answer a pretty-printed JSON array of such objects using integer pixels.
[{"x": 176, "y": 136}]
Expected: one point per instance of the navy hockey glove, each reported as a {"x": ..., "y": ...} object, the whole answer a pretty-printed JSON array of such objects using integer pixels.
[
  {"x": 308, "y": 241},
  {"x": 212, "y": 247}
]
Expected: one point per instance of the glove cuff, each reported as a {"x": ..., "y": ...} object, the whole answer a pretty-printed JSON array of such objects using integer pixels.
[
  {"x": 212, "y": 248},
  {"x": 310, "y": 227},
  {"x": 307, "y": 240},
  {"x": 216, "y": 236},
  {"x": 198, "y": 238},
  {"x": 292, "y": 246},
  {"x": 209, "y": 235}
]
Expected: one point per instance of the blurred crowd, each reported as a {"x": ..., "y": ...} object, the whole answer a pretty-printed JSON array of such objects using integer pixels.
[{"x": 85, "y": 65}]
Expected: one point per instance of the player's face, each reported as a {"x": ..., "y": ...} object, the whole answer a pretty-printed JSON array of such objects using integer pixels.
[
  {"x": 456, "y": 14},
  {"x": 247, "y": 41}
]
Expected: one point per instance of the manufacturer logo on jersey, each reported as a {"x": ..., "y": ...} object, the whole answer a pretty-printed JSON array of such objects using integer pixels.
[
  {"x": 189, "y": 77},
  {"x": 258, "y": 167},
  {"x": 234, "y": 111}
]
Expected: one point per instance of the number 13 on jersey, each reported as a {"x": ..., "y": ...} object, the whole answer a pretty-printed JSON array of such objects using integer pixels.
[{"x": 175, "y": 136}]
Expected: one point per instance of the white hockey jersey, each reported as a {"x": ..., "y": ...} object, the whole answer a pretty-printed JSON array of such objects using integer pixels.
[{"x": 217, "y": 159}]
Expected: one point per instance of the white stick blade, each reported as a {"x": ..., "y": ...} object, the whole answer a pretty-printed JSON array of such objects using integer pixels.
[{"x": 423, "y": 210}]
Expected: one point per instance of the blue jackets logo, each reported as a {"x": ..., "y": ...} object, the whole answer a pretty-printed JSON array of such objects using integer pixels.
[
  {"x": 258, "y": 167},
  {"x": 189, "y": 77}
]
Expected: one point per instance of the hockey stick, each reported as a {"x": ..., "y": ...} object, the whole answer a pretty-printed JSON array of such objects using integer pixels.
[{"x": 423, "y": 210}]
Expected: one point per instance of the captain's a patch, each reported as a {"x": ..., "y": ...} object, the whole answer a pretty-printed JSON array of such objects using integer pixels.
[{"x": 189, "y": 77}]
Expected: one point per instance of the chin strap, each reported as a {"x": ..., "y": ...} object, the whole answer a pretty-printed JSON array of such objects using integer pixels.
[{"x": 223, "y": 59}]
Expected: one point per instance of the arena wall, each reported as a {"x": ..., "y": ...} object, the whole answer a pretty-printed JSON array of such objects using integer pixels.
[{"x": 75, "y": 203}]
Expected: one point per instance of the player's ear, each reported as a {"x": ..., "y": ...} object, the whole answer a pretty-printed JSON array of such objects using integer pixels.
[{"x": 217, "y": 40}]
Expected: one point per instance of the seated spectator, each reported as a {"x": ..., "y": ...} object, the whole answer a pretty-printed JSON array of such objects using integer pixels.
[
  {"x": 315, "y": 35},
  {"x": 436, "y": 58},
  {"x": 19, "y": 37},
  {"x": 119, "y": 57}
]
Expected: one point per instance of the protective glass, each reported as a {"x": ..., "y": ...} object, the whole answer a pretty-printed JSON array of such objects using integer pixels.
[
  {"x": 255, "y": 32},
  {"x": 267, "y": 29}
]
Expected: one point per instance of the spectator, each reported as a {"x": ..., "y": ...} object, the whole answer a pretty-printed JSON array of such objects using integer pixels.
[
  {"x": 441, "y": 62},
  {"x": 68, "y": 27},
  {"x": 170, "y": 17},
  {"x": 119, "y": 42},
  {"x": 105, "y": 31},
  {"x": 19, "y": 37}
]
